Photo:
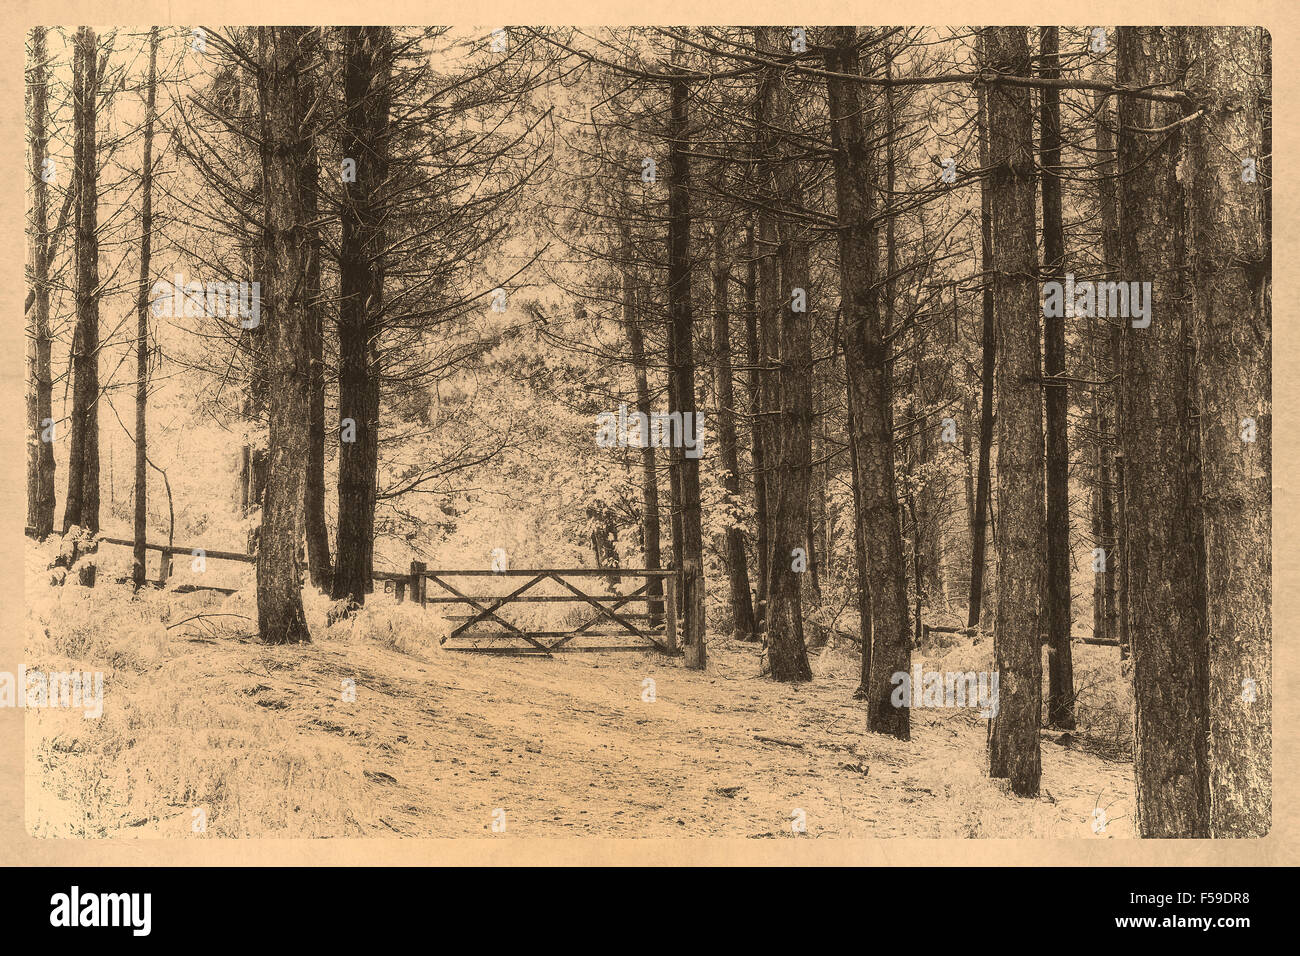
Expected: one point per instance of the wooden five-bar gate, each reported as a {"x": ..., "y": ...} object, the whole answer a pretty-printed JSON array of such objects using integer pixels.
[{"x": 648, "y": 629}]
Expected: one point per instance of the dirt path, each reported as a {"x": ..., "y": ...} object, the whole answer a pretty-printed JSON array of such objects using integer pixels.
[
  {"x": 569, "y": 745},
  {"x": 435, "y": 743}
]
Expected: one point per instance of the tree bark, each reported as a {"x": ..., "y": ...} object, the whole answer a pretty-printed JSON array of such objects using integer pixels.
[
  {"x": 1230, "y": 235},
  {"x": 786, "y": 643},
  {"x": 786, "y": 394},
  {"x": 81, "y": 505},
  {"x": 757, "y": 425},
  {"x": 866, "y": 361},
  {"x": 1019, "y": 537},
  {"x": 970, "y": 427},
  {"x": 285, "y": 55},
  {"x": 682, "y": 396},
  {"x": 367, "y": 65},
  {"x": 142, "y": 325},
  {"x": 40, "y": 443},
  {"x": 675, "y": 506},
  {"x": 988, "y": 339},
  {"x": 860, "y": 551},
  {"x": 318, "y": 539},
  {"x": 1060, "y": 670},
  {"x": 650, "y": 531},
  {"x": 1167, "y": 600},
  {"x": 1114, "y": 535},
  {"x": 742, "y": 609},
  {"x": 253, "y": 459},
  {"x": 254, "y": 454}
]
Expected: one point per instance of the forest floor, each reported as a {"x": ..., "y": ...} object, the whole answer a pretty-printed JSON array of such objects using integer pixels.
[{"x": 202, "y": 723}]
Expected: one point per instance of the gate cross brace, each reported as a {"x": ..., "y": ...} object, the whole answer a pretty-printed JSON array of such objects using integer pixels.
[
  {"x": 485, "y": 612},
  {"x": 603, "y": 613}
]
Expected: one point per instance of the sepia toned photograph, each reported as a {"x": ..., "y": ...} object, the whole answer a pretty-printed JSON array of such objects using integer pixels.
[{"x": 776, "y": 433}]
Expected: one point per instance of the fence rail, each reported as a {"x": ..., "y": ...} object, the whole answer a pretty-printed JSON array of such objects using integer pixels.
[{"x": 184, "y": 549}]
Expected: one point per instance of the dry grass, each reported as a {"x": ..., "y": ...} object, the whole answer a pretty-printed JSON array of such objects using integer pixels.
[{"x": 262, "y": 740}]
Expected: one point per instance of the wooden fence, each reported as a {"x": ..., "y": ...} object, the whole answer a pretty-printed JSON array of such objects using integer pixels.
[
  {"x": 650, "y": 629},
  {"x": 659, "y": 631},
  {"x": 647, "y": 629},
  {"x": 164, "y": 564}
]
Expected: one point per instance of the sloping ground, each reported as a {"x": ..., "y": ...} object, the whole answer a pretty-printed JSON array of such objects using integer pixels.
[{"x": 200, "y": 717}]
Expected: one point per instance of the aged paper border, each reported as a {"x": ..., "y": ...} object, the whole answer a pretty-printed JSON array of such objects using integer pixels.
[{"x": 18, "y": 847}]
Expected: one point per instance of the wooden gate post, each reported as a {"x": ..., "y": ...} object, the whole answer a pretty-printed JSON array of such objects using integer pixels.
[
  {"x": 418, "y": 592},
  {"x": 670, "y": 613},
  {"x": 164, "y": 568},
  {"x": 400, "y": 588},
  {"x": 692, "y": 615},
  {"x": 87, "y": 573}
]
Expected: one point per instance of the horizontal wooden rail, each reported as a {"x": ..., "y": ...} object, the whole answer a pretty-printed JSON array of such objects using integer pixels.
[
  {"x": 545, "y": 598},
  {"x": 183, "y": 549},
  {"x": 631, "y": 617},
  {"x": 568, "y": 649},
  {"x": 577, "y": 572},
  {"x": 229, "y": 555},
  {"x": 507, "y": 636},
  {"x": 403, "y": 575}
]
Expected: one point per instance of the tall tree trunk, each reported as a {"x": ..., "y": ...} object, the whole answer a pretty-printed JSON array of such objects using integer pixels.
[
  {"x": 819, "y": 532},
  {"x": 682, "y": 396},
  {"x": 675, "y": 506},
  {"x": 860, "y": 550},
  {"x": 254, "y": 454},
  {"x": 769, "y": 338},
  {"x": 1109, "y": 537},
  {"x": 81, "y": 505},
  {"x": 970, "y": 427},
  {"x": 988, "y": 340},
  {"x": 649, "y": 477},
  {"x": 866, "y": 362},
  {"x": 1060, "y": 666},
  {"x": 1230, "y": 235},
  {"x": 918, "y": 574},
  {"x": 253, "y": 463},
  {"x": 142, "y": 324},
  {"x": 742, "y": 610},
  {"x": 40, "y": 440},
  {"x": 757, "y": 424},
  {"x": 912, "y": 533},
  {"x": 930, "y": 499},
  {"x": 1019, "y": 537},
  {"x": 1121, "y": 536},
  {"x": 1114, "y": 534},
  {"x": 1102, "y": 500},
  {"x": 1161, "y": 497},
  {"x": 285, "y": 56},
  {"x": 786, "y": 396},
  {"x": 367, "y": 65},
  {"x": 318, "y": 539},
  {"x": 816, "y": 510},
  {"x": 786, "y": 643}
]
